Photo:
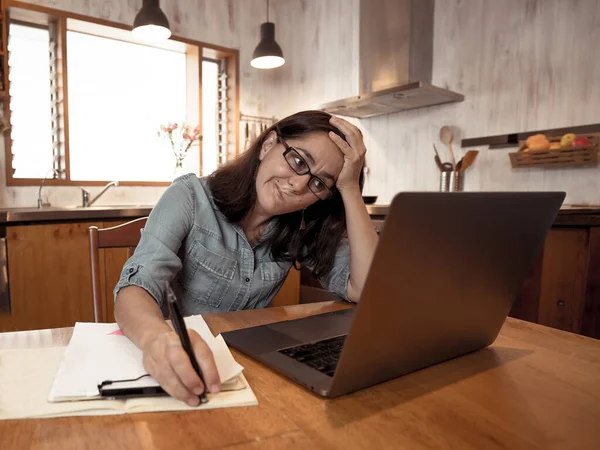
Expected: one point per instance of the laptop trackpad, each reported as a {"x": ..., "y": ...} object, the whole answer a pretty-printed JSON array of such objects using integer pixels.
[{"x": 318, "y": 327}]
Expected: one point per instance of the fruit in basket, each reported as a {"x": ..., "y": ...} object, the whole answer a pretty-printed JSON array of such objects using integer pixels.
[
  {"x": 567, "y": 140},
  {"x": 554, "y": 145},
  {"x": 537, "y": 142},
  {"x": 539, "y": 146},
  {"x": 581, "y": 142},
  {"x": 536, "y": 138}
]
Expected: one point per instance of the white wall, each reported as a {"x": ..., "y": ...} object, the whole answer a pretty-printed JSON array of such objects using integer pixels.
[{"x": 521, "y": 64}]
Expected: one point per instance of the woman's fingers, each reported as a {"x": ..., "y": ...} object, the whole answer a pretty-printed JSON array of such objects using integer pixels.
[
  {"x": 353, "y": 135},
  {"x": 206, "y": 361},
  {"x": 166, "y": 360},
  {"x": 342, "y": 144},
  {"x": 162, "y": 372},
  {"x": 182, "y": 366}
]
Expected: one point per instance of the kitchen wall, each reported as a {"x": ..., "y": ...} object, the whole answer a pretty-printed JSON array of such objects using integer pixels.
[{"x": 521, "y": 64}]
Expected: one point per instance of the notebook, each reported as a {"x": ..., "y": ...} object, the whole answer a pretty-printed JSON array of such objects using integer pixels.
[
  {"x": 63, "y": 381},
  {"x": 100, "y": 352}
]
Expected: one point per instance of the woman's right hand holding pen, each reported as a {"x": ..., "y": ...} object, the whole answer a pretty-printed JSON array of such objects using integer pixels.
[{"x": 166, "y": 360}]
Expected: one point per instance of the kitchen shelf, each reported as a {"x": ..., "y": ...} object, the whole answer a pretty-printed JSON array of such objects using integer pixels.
[
  {"x": 584, "y": 156},
  {"x": 513, "y": 139}
]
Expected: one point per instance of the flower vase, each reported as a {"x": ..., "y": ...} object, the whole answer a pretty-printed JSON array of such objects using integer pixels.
[{"x": 178, "y": 168}]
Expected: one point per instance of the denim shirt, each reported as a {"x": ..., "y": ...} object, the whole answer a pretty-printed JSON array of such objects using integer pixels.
[{"x": 208, "y": 260}]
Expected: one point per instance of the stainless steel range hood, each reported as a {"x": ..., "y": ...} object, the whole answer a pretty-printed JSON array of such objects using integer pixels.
[{"x": 395, "y": 60}]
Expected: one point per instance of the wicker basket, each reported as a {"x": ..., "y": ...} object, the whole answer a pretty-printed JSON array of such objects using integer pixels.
[{"x": 563, "y": 157}]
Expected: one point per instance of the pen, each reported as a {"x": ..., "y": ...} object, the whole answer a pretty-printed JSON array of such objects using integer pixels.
[{"x": 181, "y": 330}]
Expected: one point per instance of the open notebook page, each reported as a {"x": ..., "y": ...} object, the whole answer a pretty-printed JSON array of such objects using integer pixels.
[{"x": 100, "y": 352}]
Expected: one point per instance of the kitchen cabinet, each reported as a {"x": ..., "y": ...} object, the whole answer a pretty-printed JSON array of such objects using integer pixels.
[
  {"x": 49, "y": 275},
  {"x": 562, "y": 289},
  {"x": 50, "y": 278}
]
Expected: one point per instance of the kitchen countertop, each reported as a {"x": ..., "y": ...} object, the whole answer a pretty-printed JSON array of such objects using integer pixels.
[
  {"x": 60, "y": 214},
  {"x": 569, "y": 215}
]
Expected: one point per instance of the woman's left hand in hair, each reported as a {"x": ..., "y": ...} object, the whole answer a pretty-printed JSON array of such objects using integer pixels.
[{"x": 354, "y": 153}]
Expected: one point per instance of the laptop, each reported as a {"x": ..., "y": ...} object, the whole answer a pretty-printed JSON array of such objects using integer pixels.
[{"x": 446, "y": 271}]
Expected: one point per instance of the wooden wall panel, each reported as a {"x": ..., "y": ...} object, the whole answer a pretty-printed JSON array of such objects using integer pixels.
[{"x": 514, "y": 74}]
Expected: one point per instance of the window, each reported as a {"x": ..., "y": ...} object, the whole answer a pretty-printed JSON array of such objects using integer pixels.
[
  {"x": 210, "y": 86},
  {"x": 118, "y": 92},
  {"x": 30, "y": 108},
  {"x": 119, "y": 95}
]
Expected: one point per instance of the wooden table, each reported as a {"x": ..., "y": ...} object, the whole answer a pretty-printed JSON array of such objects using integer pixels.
[{"x": 535, "y": 387}]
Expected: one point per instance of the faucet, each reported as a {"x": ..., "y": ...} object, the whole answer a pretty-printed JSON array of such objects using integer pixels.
[
  {"x": 40, "y": 202},
  {"x": 85, "y": 195}
]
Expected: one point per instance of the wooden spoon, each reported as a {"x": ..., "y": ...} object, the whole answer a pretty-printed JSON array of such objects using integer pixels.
[
  {"x": 446, "y": 137},
  {"x": 469, "y": 159}
]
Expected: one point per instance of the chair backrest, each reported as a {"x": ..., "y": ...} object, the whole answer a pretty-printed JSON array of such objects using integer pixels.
[{"x": 126, "y": 235}]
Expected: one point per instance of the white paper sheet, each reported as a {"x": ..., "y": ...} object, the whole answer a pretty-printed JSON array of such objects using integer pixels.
[{"x": 100, "y": 352}]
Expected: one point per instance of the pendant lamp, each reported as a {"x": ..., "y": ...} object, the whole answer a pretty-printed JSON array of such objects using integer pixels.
[
  {"x": 151, "y": 24},
  {"x": 267, "y": 54}
]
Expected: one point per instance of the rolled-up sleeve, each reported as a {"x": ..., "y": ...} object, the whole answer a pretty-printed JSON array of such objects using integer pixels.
[
  {"x": 156, "y": 257},
  {"x": 336, "y": 281}
]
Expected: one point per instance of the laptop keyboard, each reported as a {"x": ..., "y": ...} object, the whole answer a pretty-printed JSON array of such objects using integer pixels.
[{"x": 321, "y": 355}]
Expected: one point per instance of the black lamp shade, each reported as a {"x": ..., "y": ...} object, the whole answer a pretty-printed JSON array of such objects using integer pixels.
[
  {"x": 151, "y": 23},
  {"x": 268, "y": 53}
]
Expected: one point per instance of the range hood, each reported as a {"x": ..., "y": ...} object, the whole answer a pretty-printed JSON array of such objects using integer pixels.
[{"x": 395, "y": 60}]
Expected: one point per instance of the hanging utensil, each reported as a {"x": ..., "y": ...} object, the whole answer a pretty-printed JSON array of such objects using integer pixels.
[
  {"x": 437, "y": 159},
  {"x": 247, "y": 140},
  {"x": 446, "y": 137}
]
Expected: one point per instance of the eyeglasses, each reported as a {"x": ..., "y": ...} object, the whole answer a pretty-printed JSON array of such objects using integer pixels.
[{"x": 299, "y": 165}]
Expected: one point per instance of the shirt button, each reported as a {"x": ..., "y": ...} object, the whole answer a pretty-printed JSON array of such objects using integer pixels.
[{"x": 247, "y": 280}]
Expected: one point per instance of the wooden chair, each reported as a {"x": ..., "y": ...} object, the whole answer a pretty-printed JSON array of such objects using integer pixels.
[{"x": 126, "y": 235}]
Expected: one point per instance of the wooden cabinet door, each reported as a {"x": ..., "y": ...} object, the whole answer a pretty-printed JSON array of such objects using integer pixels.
[
  {"x": 591, "y": 311},
  {"x": 49, "y": 276},
  {"x": 564, "y": 278}
]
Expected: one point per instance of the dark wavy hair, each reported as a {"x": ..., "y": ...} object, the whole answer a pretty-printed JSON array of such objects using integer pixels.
[{"x": 233, "y": 187}]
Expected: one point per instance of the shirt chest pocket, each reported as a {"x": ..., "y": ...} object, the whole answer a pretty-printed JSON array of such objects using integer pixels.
[{"x": 210, "y": 276}]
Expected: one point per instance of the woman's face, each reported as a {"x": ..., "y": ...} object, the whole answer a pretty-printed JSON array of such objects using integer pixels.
[{"x": 279, "y": 189}]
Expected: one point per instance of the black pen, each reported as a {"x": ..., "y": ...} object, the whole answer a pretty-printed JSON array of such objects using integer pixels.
[{"x": 181, "y": 330}]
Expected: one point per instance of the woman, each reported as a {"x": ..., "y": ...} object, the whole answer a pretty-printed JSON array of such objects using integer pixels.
[{"x": 226, "y": 242}]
